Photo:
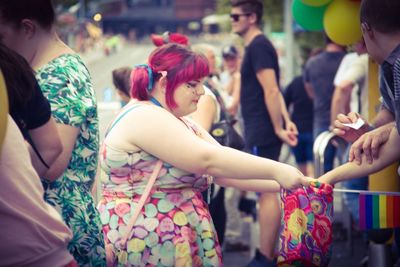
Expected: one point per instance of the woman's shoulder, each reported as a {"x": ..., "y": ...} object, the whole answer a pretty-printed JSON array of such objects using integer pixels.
[
  {"x": 65, "y": 65},
  {"x": 138, "y": 112},
  {"x": 66, "y": 72}
]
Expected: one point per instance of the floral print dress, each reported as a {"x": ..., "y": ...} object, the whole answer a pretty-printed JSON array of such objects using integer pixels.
[
  {"x": 174, "y": 227},
  {"x": 66, "y": 83}
]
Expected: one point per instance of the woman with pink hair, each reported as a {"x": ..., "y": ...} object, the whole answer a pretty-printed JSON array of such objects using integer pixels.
[{"x": 158, "y": 161}]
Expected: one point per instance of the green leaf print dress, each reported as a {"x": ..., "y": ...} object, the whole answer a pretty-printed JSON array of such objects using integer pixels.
[{"x": 66, "y": 83}]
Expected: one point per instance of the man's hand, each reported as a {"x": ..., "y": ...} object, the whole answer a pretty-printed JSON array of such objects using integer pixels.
[
  {"x": 292, "y": 128},
  {"x": 233, "y": 109},
  {"x": 369, "y": 144},
  {"x": 288, "y": 137},
  {"x": 347, "y": 133}
]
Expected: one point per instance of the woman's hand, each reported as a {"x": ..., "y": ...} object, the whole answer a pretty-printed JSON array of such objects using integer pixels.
[
  {"x": 325, "y": 179},
  {"x": 291, "y": 178}
]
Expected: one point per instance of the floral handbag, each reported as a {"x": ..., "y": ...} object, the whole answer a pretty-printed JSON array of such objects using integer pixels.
[{"x": 306, "y": 234}]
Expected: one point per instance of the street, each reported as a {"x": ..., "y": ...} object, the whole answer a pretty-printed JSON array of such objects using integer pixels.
[{"x": 100, "y": 68}]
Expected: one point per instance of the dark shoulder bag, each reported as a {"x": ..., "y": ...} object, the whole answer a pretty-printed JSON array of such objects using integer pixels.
[{"x": 223, "y": 131}]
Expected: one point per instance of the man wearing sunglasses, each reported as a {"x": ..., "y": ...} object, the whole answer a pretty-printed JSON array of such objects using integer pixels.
[{"x": 264, "y": 113}]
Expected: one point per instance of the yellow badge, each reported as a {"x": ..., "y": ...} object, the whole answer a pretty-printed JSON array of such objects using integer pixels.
[{"x": 218, "y": 132}]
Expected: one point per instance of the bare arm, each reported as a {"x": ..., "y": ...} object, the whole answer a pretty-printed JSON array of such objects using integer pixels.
[
  {"x": 289, "y": 124},
  {"x": 168, "y": 138},
  {"x": 383, "y": 117},
  {"x": 68, "y": 136},
  {"x": 309, "y": 89},
  {"x": 341, "y": 100},
  {"x": 351, "y": 170},
  {"x": 206, "y": 112},
  {"x": 273, "y": 101},
  {"x": 48, "y": 143},
  {"x": 285, "y": 113},
  {"x": 235, "y": 82},
  {"x": 246, "y": 185},
  {"x": 261, "y": 186},
  {"x": 267, "y": 79}
]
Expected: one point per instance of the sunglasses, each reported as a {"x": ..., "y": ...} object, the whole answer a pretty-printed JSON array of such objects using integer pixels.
[{"x": 236, "y": 17}]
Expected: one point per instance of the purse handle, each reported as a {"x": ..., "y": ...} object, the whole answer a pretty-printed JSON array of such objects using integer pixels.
[
  {"x": 122, "y": 242},
  {"x": 224, "y": 112}
]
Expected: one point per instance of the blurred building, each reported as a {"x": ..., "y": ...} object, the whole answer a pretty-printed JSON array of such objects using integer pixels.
[{"x": 136, "y": 18}]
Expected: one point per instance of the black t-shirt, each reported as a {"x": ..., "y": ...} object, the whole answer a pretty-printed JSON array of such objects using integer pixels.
[
  {"x": 302, "y": 114},
  {"x": 258, "y": 128},
  {"x": 32, "y": 115}
]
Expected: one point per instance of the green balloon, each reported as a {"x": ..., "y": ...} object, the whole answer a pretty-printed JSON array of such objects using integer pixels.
[
  {"x": 309, "y": 17},
  {"x": 316, "y": 2}
]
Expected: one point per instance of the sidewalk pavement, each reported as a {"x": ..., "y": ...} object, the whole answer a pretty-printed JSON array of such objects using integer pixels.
[
  {"x": 341, "y": 256},
  {"x": 92, "y": 55}
]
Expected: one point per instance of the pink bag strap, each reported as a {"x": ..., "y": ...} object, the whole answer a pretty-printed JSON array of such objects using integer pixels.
[{"x": 142, "y": 200}]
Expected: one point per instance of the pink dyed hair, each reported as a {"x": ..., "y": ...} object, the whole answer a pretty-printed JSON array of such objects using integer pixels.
[{"x": 181, "y": 64}]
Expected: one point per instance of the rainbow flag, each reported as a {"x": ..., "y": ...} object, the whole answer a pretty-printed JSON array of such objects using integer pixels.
[{"x": 379, "y": 211}]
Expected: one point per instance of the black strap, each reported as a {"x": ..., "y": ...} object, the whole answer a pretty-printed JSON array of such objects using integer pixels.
[
  {"x": 30, "y": 141},
  {"x": 224, "y": 112}
]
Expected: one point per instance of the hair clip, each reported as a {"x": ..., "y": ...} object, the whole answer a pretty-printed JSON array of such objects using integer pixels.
[{"x": 150, "y": 72}]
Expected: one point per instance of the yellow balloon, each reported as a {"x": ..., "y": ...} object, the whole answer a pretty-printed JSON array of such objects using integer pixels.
[
  {"x": 315, "y": 2},
  {"x": 3, "y": 109},
  {"x": 342, "y": 22}
]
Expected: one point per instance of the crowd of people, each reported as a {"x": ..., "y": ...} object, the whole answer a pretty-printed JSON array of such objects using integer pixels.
[{"x": 171, "y": 189}]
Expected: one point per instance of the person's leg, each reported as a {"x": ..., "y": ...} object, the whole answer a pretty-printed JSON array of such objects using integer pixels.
[
  {"x": 269, "y": 218},
  {"x": 329, "y": 157},
  {"x": 234, "y": 238},
  {"x": 351, "y": 199},
  {"x": 269, "y": 215},
  {"x": 309, "y": 156},
  {"x": 300, "y": 153},
  {"x": 218, "y": 214}
]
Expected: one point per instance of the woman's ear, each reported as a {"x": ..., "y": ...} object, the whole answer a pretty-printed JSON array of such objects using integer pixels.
[
  {"x": 29, "y": 28},
  {"x": 163, "y": 81}
]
